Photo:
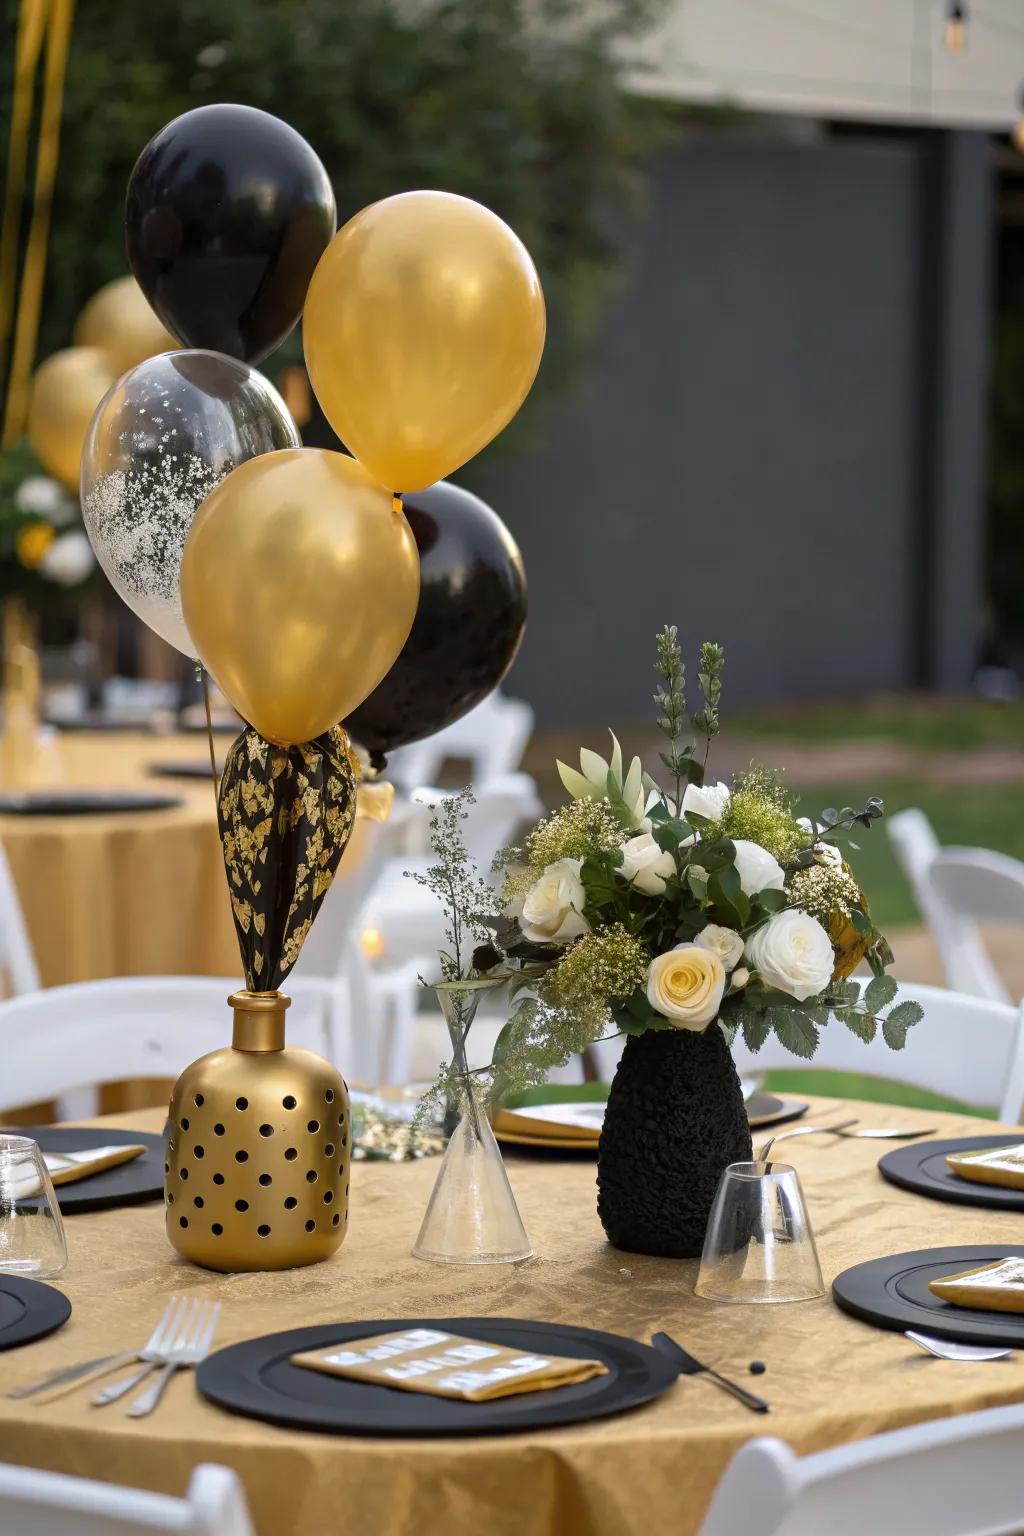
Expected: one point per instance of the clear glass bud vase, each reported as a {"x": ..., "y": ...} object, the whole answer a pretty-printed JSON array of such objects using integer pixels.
[{"x": 472, "y": 1217}]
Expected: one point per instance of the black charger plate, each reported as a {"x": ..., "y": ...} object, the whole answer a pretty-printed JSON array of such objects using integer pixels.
[
  {"x": 893, "y": 1292},
  {"x": 768, "y": 1109},
  {"x": 82, "y": 802},
  {"x": 257, "y": 1379},
  {"x": 127, "y": 1184},
  {"x": 921, "y": 1168},
  {"x": 29, "y": 1310},
  {"x": 184, "y": 770}
]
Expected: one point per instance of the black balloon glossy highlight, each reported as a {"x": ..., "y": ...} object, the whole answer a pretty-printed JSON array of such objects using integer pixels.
[
  {"x": 468, "y": 626},
  {"x": 228, "y": 212}
]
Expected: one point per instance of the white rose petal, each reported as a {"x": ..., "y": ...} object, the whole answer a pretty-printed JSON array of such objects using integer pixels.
[
  {"x": 757, "y": 870},
  {"x": 793, "y": 953},
  {"x": 828, "y": 853},
  {"x": 552, "y": 909},
  {"x": 645, "y": 865},
  {"x": 723, "y": 942},
  {"x": 709, "y": 800},
  {"x": 68, "y": 560}
]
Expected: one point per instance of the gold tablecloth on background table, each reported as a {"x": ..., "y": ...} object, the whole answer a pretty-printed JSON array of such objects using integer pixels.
[
  {"x": 829, "y": 1379},
  {"x": 134, "y": 893}
]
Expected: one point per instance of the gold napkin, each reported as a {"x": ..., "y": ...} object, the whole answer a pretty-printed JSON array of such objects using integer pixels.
[
  {"x": 992, "y": 1165},
  {"x": 997, "y": 1287},
  {"x": 445, "y": 1365},
  {"x": 66, "y": 1167}
]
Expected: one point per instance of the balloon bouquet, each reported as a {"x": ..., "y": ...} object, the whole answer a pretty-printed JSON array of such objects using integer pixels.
[{"x": 294, "y": 574}]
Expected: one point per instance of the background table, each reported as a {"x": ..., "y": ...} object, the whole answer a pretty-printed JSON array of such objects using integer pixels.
[{"x": 830, "y": 1378}]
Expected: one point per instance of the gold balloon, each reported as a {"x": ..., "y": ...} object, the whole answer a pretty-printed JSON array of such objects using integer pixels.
[
  {"x": 119, "y": 321},
  {"x": 299, "y": 585},
  {"x": 66, "y": 390},
  {"x": 423, "y": 331}
]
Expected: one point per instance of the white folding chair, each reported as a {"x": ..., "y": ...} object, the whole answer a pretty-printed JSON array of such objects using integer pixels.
[
  {"x": 493, "y": 737},
  {"x": 61, "y": 1039},
  {"x": 957, "y": 1477},
  {"x": 953, "y": 924},
  {"x": 17, "y": 958},
  {"x": 34, "y": 1503},
  {"x": 965, "y": 1048}
]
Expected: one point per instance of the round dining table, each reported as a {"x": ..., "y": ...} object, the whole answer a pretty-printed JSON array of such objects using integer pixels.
[{"x": 829, "y": 1378}]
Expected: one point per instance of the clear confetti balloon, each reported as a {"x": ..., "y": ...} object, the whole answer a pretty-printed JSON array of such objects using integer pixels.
[{"x": 161, "y": 439}]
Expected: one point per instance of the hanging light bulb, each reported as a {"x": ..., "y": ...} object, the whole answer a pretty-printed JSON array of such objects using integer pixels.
[{"x": 955, "y": 36}]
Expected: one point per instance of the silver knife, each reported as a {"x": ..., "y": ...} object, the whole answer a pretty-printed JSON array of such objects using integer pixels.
[
  {"x": 688, "y": 1366},
  {"x": 75, "y": 1373}
]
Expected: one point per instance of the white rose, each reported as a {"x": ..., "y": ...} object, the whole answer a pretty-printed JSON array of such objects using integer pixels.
[
  {"x": 645, "y": 865},
  {"x": 685, "y": 985},
  {"x": 723, "y": 942},
  {"x": 757, "y": 870},
  {"x": 68, "y": 560},
  {"x": 793, "y": 953},
  {"x": 552, "y": 909},
  {"x": 39, "y": 494},
  {"x": 708, "y": 801},
  {"x": 739, "y": 979}
]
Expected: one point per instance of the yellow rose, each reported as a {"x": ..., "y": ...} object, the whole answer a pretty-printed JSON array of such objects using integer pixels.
[
  {"x": 32, "y": 543},
  {"x": 686, "y": 985}
]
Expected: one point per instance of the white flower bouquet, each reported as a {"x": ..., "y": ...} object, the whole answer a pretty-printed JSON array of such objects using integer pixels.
[{"x": 637, "y": 908}]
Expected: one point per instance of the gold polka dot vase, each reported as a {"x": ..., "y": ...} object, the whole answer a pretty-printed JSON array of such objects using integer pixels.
[{"x": 258, "y": 1152}]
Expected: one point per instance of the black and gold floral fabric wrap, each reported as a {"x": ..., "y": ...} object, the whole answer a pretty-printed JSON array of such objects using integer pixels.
[{"x": 285, "y": 815}]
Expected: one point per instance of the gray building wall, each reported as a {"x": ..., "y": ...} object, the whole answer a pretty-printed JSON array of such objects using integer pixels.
[{"x": 746, "y": 457}]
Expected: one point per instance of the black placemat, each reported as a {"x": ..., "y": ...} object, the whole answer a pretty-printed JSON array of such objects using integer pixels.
[
  {"x": 81, "y": 802},
  {"x": 199, "y": 769},
  {"x": 921, "y": 1167},
  {"x": 29, "y": 1310},
  {"x": 893, "y": 1292},
  {"x": 257, "y": 1379},
  {"x": 768, "y": 1109},
  {"x": 127, "y": 1184}
]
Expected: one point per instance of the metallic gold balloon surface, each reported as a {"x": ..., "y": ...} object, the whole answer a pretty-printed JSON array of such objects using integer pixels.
[
  {"x": 423, "y": 331},
  {"x": 66, "y": 390},
  {"x": 120, "y": 322},
  {"x": 299, "y": 586}
]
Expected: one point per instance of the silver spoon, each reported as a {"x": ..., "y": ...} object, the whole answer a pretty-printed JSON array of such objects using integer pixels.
[{"x": 946, "y": 1349}]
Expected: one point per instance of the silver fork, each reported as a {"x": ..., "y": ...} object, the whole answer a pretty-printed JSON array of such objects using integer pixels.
[
  {"x": 154, "y": 1353},
  {"x": 947, "y": 1349},
  {"x": 58, "y": 1382},
  {"x": 191, "y": 1345},
  {"x": 803, "y": 1130},
  {"x": 869, "y": 1133}
]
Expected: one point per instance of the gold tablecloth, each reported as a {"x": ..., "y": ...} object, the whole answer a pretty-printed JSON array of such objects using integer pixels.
[{"x": 829, "y": 1379}]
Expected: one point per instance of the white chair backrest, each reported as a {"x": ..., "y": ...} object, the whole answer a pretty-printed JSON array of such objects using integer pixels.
[
  {"x": 963, "y": 954},
  {"x": 979, "y": 883},
  {"x": 956, "y": 1477},
  {"x": 965, "y": 1048},
  {"x": 63, "y": 1038},
  {"x": 493, "y": 737},
  {"x": 503, "y": 804},
  {"x": 375, "y": 842},
  {"x": 34, "y": 1503},
  {"x": 16, "y": 954}
]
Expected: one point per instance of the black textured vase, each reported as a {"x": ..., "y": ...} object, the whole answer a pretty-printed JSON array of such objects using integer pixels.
[{"x": 675, "y": 1120}]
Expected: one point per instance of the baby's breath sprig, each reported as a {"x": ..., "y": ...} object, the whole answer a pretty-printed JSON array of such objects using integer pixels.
[{"x": 454, "y": 880}]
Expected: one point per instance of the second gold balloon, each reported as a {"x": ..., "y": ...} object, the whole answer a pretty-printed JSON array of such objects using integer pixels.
[{"x": 299, "y": 585}]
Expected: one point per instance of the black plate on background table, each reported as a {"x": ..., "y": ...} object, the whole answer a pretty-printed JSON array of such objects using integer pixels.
[
  {"x": 127, "y": 1184},
  {"x": 893, "y": 1292},
  {"x": 29, "y": 1310},
  {"x": 922, "y": 1169},
  {"x": 81, "y": 802},
  {"x": 196, "y": 770},
  {"x": 257, "y": 1379},
  {"x": 768, "y": 1109}
]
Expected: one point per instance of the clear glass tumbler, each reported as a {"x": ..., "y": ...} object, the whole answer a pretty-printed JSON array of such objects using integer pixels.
[
  {"x": 32, "y": 1241},
  {"x": 759, "y": 1245}
]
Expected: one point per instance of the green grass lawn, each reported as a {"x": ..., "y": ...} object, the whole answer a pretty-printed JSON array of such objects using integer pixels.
[{"x": 910, "y": 720}]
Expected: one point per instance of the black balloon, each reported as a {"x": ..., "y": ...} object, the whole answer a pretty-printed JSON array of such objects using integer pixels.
[
  {"x": 228, "y": 213},
  {"x": 470, "y": 620}
]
